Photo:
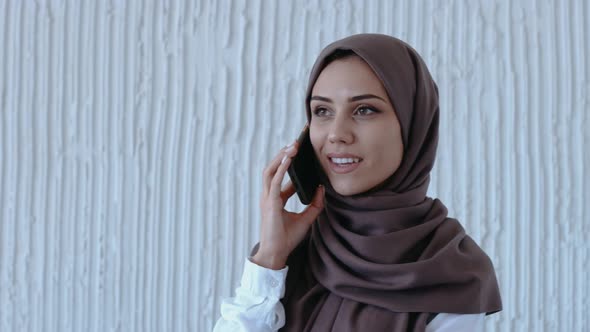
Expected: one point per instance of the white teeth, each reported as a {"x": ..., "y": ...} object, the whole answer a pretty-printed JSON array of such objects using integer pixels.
[{"x": 345, "y": 160}]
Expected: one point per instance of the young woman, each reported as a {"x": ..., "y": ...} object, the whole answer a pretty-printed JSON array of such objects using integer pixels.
[{"x": 372, "y": 252}]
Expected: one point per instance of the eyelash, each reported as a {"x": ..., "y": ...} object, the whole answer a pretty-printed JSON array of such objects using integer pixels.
[{"x": 372, "y": 109}]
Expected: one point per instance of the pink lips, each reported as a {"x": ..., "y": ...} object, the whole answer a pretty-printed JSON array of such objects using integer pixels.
[{"x": 346, "y": 168}]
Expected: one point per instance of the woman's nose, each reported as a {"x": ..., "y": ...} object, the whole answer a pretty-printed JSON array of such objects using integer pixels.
[{"x": 340, "y": 132}]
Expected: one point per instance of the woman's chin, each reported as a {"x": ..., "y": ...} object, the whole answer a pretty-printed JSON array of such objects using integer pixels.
[
  {"x": 347, "y": 189},
  {"x": 351, "y": 188}
]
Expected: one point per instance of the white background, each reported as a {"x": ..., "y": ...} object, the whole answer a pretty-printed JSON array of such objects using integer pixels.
[{"x": 133, "y": 135}]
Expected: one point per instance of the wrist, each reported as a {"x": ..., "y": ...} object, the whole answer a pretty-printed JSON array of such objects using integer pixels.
[{"x": 269, "y": 261}]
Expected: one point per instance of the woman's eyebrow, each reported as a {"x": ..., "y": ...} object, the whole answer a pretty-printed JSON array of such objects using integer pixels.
[{"x": 355, "y": 98}]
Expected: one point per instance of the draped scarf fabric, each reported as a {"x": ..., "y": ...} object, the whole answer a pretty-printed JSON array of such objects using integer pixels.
[{"x": 386, "y": 259}]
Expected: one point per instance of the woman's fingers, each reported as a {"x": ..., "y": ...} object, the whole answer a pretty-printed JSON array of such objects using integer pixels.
[
  {"x": 312, "y": 211},
  {"x": 271, "y": 170},
  {"x": 277, "y": 180},
  {"x": 287, "y": 191},
  {"x": 302, "y": 221}
]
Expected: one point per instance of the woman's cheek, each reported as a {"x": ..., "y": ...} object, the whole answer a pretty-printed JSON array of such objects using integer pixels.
[{"x": 315, "y": 141}]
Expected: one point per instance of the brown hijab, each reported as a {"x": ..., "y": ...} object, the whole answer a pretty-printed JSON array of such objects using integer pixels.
[{"x": 388, "y": 259}]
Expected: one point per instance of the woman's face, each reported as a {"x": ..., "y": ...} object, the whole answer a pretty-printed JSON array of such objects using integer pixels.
[{"x": 354, "y": 130}]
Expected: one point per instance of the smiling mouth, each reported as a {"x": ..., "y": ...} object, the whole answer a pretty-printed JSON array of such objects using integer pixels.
[
  {"x": 344, "y": 165},
  {"x": 345, "y": 161}
]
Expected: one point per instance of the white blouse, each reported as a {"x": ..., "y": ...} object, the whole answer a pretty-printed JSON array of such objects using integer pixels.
[{"x": 257, "y": 307}]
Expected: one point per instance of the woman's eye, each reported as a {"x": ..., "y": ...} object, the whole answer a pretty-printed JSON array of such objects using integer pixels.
[
  {"x": 365, "y": 110},
  {"x": 320, "y": 111}
]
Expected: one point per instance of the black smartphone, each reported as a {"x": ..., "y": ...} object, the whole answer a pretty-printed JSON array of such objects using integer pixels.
[{"x": 304, "y": 169}]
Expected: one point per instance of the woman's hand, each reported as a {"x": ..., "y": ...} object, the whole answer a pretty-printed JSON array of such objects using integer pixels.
[{"x": 281, "y": 231}]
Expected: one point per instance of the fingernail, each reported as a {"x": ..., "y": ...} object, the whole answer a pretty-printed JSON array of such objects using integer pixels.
[{"x": 284, "y": 158}]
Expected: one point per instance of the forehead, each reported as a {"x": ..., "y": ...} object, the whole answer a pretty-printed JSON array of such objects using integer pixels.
[{"x": 351, "y": 74}]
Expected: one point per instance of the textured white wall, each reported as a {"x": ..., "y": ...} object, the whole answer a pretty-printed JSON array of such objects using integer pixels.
[{"x": 133, "y": 137}]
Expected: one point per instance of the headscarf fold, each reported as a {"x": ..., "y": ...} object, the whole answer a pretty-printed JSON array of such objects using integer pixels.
[{"x": 390, "y": 258}]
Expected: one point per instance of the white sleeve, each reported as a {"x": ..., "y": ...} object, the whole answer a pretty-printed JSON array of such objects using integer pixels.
[
  {"x": 256, "y": 306},
  {"x": 444, "y": 322}
]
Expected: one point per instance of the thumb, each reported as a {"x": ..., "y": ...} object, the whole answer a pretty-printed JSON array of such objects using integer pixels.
[{"x": 317, "y": 205}]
